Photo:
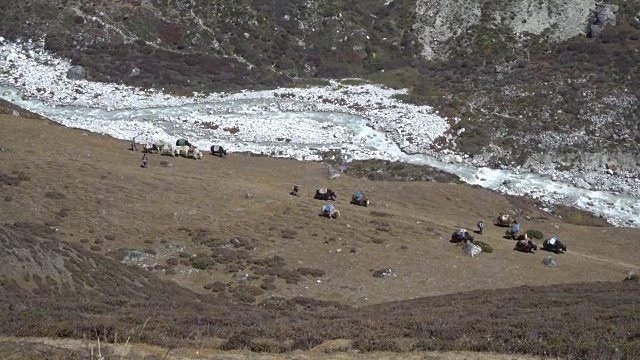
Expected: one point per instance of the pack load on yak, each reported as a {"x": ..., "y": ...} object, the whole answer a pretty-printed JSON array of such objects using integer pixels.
[
  {"x": 325, "y": 194},
  {"x": 461, "y": 235},
  {"x": 218, "y": 150},
  {"x": 154, "y": 147},
  {"x": 526, "y": 246},
  {"x": 514, "y": 231},
  {"x": 359, "y": 199},
  {"x": 554, "y": 244},
  {"x": 329, "y": 211},
  {"x": 183, "y": 142},
  {"x": 503, "y": 220}
]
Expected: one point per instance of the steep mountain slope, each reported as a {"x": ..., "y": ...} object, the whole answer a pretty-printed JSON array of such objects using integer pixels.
[{"x": 545, "y": 84}]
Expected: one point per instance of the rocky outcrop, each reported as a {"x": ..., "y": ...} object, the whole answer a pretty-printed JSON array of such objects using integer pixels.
[
  {"x": 602, "y": 16},
  {"x": 440, "y": 20}
]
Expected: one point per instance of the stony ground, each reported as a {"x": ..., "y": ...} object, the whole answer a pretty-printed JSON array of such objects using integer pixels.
[{"x": 205, "y": 224}]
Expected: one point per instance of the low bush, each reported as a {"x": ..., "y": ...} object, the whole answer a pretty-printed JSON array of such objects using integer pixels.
[
  {"x": 536, "y": 234},
  {"x": 486, "y": 248},
  {"x": 306, "y": 342},
  {"x": 216, "y": 286},
  {"x": 266, "y": 347},
  {"x": 268, "y": 286},
  {"x": 309, "y": 271},
  {"x": 55, "y": 195},
  {"x": 376, "y": 344},
  {"x": 237, "y": 342},
  {"x": 202, "y": 262}
]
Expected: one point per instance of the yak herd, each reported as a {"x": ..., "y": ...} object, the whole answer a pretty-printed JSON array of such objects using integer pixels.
[
  {"x": 523, "y": 242},
  {"x": 182, "y": 148}
]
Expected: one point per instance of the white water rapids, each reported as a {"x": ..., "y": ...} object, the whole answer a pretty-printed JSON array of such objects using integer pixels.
[{"x": 289, "y": 130}]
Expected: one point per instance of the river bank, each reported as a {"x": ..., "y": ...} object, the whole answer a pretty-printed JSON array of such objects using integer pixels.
[{"x": 358, "y": 122}]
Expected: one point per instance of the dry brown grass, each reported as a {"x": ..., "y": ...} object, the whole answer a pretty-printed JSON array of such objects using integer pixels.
[
  {"x": 94, "y": 192},
  {"x": 340, "y": 349}
]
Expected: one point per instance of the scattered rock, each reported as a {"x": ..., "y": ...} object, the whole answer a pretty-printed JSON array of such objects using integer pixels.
[
  {"x": 472, "y": 250},
  {"x": 331, "y": 172},
  {"x": 384, "y": 273},
  {"x": 550, "y": 261},
  {"x": 582, "y": 183},
  {"x": 602, "y": 16},
  {"x": 132, "y": 256},
  {"x": 76, "y": 72}
]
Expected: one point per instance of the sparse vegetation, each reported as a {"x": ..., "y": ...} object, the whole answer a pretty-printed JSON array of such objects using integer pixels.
[
  {"x": 54, "y": 285},
  {"x": 55, "y": 195}
]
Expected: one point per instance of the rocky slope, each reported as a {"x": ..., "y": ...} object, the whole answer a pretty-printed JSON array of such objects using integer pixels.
[{"x": 549, "y": 85}]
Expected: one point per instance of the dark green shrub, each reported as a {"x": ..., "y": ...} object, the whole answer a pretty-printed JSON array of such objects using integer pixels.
[
  {"x": 202, "y": 262},
  {"x": 536, "y": 234},
  {"x": 486, "y": 248}
]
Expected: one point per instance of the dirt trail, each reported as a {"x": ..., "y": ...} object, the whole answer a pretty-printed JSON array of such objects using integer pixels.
[
  {"x": 606, "y": 260},
  {"x": 332, "y": 350}
]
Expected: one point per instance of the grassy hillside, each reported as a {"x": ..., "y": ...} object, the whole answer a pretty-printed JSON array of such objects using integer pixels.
[{"x": 177, "y": 255}]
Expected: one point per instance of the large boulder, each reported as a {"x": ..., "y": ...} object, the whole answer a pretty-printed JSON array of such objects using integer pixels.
[
  {"x": 470, "y": 249},
  {"x": 76, "y": 72},
  {"x": 606, "y": 16},
  {"x": 550, "y": 261},
  {"x": 601, "y": 17}
]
